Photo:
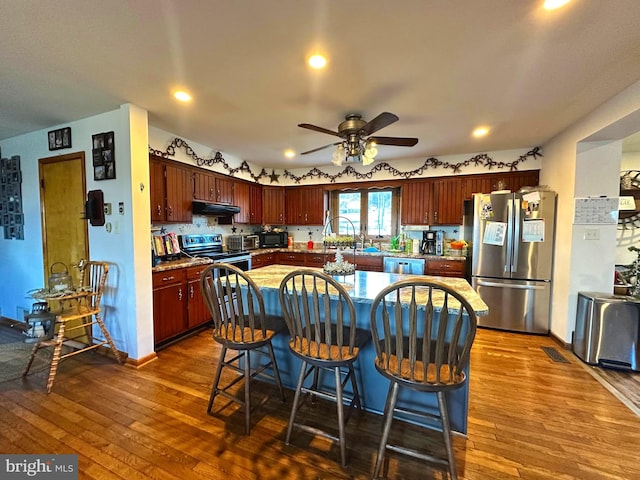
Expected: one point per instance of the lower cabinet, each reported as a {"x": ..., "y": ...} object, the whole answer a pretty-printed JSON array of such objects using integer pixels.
[
  {"x": 315, "y": 259},
  {"x": 178, "y": 306},
  {"x": 369, "y": 264},
  {"x": 263, "y": 259},
  {"x": 291, "y": 258},
  {"x": 445, "y": 268}
]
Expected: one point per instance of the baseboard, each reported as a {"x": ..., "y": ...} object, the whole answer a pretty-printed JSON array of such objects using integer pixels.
[
  {"x": 140, "y": 362},
  {"x": 559, "y": 341},
  {"x": 10, "y": 322}
]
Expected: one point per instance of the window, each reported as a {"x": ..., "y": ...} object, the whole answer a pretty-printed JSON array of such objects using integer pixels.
[{"x": 372, "y": 212}]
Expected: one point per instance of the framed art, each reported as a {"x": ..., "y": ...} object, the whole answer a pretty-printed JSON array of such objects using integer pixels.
[
  {"x": 60, "y": 138},
  {"x": 103, "y": 153}
]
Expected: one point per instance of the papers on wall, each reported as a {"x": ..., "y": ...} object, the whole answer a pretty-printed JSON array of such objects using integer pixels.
[
  {"x": 533, "y": 230},
  {"x": 494, "y": 233},
  {"x": 596, "y": 210}
]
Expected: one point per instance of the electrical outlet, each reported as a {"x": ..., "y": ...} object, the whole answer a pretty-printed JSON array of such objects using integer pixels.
[
  {"x": 592, "y": 234},
  {"x": 121, "y": 208},
  {"x": 107, "y": 209}
]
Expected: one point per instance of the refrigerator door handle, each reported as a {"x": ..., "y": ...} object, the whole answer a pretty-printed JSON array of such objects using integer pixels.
[
  {"x": 483, "y": 283},
  {"x": 508, "y": 259},
  {"x": 516, "y": 235}
]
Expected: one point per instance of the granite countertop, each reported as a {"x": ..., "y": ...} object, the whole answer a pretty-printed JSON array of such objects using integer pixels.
[
  {"x": 364, "y": 286},
  {"x": 181, "y": 263}
]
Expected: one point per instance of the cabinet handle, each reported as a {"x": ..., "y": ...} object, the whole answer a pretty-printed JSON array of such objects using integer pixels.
[
  {"x": 170, "y": 211},
  {"x": 180, "y": 294},
  {"x": 190, "y": 291},
  {"x": 166, "y": 279},
  {"x": 159, "y": 210}
]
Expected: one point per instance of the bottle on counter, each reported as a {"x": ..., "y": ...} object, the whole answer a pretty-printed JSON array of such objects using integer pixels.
[
  {"x": 408, "y": 245},
  {"x": 289, "y": 242}
]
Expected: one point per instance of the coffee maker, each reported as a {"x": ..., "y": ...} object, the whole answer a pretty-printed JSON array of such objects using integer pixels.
[{"x": 432, "y": 242}]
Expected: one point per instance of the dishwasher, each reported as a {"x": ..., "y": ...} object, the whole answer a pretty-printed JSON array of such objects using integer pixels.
[{"x": 413, "y": 266}]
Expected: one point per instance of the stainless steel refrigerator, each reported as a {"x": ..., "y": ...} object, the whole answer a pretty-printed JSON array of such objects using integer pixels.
[{"x": 512, "y": 258}]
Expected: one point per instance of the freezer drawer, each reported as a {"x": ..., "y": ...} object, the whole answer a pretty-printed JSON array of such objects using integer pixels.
[
  {"x": 515, "y": 305},
  {"x": 607, "y": 330}
]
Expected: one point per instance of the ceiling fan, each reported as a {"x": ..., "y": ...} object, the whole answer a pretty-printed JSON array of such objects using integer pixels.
[{"x": 356, "y": 143}]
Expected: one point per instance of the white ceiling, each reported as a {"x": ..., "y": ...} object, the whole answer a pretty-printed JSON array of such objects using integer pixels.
[{"x": 443, "y": 67}]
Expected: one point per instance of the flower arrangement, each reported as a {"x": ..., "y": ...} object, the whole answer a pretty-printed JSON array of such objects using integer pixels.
[{"x": 340, "y": 266}]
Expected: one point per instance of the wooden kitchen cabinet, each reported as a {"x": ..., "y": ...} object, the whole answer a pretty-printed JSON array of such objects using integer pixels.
[
  {"x": 447, "y": 198},
  {"x": 242, "y": 199},
  {"x": 415, "y": 203},
  {"x": 170, "y": 187},
  {"x": 487, "y": 183},
  {"x": 224, "y": 189},
  {"x": 197, "y": 312},
  {"x": 178, "y": 305},
  {"x": 204, "y": 185},
  {"x": 255, "y": 204},
  {"x": 315, "y": 259},
  {"x": 169, "y": 305},
  {"x": 369, "y": 263},
  {"x": 445, "y": 268},
  {"x": 263, "y": 259},
  {"x": 291, "y": 258},
  {"x": 305, "y": 205},
  {"x": 273, "y": 205}
]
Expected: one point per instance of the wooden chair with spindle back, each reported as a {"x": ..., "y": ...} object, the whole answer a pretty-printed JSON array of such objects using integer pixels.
[
  {"x": 422, "y": 332},
  {"x": 321, "y": 319},
  {"x": 240, "y": 324}
]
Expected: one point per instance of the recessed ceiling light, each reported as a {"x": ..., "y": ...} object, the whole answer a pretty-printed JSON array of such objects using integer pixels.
[
  {"x": 289, "y": 153},
  {"x": 317, "y": 61},
  {"x": 182, "y": 96},
  {"x": 553, "y": 4},
  {"x": 480, "y": 132}
]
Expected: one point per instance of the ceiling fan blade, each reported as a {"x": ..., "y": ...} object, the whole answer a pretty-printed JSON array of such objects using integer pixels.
[
  {"x": 321, "y": 148},
  {"x": 318, "y": 129},
  {"x": 397, "y": 141},
  {"x": 383, "y": 120}
]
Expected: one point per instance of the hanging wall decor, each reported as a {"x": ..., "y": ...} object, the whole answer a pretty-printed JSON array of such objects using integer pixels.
[
  {"x": 11, "y": 216},
  {"x": 104, "y": 156},
  {"x": 60, "y": 138}
]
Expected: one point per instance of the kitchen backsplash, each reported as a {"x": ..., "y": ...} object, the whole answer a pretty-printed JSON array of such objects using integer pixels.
[{"x": 202, "y": 224}]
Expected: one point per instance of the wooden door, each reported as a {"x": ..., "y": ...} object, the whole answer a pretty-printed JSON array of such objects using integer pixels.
[
  {"x": 62, "y": 198},
  {"x": 179, "y": 193},
  {"x": 224, "y": 190},
  {"x": 157, "y": 190},
  {"x": 293, "y": 206},
  {"x": 314, "y": 200},
  {"x": 273, "y": 205},
  {"x": 204, "y": 186}
]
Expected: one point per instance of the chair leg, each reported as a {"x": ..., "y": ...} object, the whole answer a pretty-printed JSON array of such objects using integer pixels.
[
  {"x": 56, "y": 357},
  {"x": 247, "y": 391},
  {"x": 108, "y": 338},
  {"x": 354, "y": 384},
  {"x": 216, "y": 379},
  {"x": 446, "y": 433},
  {"x": 392, "y": 398},
  {"x": 296, "y": 399},
  {"x": 341, "y": 425},
  {"x": 276, "y": 372},
  {"x": 34, "y": 350}
]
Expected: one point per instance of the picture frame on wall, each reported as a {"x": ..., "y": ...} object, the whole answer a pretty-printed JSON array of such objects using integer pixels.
[
  {"x": 60, "y": 138},
  {"x": 103, "y": 153}
]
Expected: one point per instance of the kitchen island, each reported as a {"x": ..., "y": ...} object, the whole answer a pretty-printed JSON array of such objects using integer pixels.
[{"x": 363, "y": 287}]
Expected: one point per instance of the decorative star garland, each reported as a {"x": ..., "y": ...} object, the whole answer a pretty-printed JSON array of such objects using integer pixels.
[{"x": 481, "y": 159}]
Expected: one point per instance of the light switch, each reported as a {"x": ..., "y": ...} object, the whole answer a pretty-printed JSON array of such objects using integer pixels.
[{"x": 591, "y": 234}]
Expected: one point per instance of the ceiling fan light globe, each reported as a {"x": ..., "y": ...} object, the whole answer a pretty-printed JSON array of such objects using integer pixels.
[{"x": 367, "y": 160}]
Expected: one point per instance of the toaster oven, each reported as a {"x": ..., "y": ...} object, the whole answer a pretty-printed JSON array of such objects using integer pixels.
[{"x": 237, "y": 243}]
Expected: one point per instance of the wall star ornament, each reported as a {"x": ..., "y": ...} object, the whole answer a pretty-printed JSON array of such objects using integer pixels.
[{"x": 273, "y": 176}]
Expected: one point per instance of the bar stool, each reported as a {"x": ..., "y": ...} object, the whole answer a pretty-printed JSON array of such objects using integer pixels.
[
  {"x": 239, "y": 323},
  {"x": 423, "y": 346},
  {"x": 321, "y": 319}
]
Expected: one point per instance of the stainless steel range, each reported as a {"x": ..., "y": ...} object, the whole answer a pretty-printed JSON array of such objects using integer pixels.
[{"x": 209, "y": 245}]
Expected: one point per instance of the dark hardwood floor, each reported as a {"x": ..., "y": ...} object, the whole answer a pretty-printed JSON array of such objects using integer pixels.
[{"x": 529, "y": 418}]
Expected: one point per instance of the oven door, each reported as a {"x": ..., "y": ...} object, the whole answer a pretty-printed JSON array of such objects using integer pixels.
[{"x": 243, "y": 262}]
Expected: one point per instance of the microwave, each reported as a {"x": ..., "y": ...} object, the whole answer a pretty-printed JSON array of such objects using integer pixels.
[{"x": 273, "y": 239}]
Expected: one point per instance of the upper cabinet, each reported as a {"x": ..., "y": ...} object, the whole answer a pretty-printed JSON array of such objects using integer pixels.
[
  {"x": 447, "y": 201},
  {"x": 255, "y": 204},
  {"x": 211, "y": 187},
  {"x": 305, "y": 205},
  {"x": 242, "y": 199},
  {"x": 273, "y": 205},
  {"x": 224, "y": 190},
  {"x": 415, "y": 202},
  {"x": 170, "y": 187}
]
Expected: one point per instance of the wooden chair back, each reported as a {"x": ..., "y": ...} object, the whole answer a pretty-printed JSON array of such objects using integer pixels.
[
  {"x": 423, "y": 332},
  {"x": 235, "y": 304},
  {"x": 320, "y": 316},
  {"x": 93, "y": 276}
]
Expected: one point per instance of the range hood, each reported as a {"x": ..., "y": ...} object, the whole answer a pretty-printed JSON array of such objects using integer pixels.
[{"x": 214, "y": 209}]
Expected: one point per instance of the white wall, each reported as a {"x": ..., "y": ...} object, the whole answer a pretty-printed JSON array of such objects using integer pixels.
[
  {"x": 576, "y": 258},
  {"x": 126, "y": 303}
]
